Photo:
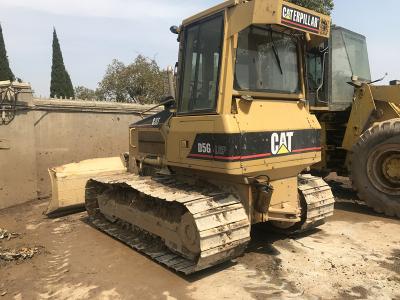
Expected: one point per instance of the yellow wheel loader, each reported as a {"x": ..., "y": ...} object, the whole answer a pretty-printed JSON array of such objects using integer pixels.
[
  {"x": 360, "y": 120},
  {"x": 228, "y": 151}
]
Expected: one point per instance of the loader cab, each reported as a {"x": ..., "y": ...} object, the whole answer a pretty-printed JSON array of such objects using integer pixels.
[{"x": 331, "y": 65}]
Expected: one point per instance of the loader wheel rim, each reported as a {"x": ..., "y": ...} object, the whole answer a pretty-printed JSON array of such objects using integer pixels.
[
  {"x": 384, "y": 169},
  {"x": 391, "y": 168}
]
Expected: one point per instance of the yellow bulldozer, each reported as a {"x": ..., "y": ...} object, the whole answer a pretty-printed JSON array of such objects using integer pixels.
[
  {"x": 226, "y": 152},
  {"x": 360, "y": 120},
  {"x": 229, "y": 150}
]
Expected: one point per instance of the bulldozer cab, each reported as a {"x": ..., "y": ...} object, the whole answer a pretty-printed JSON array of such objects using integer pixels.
[
  {"x": 234, "y": 50},
  {"x": 332, "y": 64},
  {"x": 259, "y": 48}
]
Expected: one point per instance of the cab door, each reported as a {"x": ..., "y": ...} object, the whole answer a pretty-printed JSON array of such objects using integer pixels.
[{"x": 198, "y": 85}]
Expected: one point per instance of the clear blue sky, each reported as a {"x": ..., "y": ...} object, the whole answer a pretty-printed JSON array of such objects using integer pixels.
[{"x": 93, "y": 32}]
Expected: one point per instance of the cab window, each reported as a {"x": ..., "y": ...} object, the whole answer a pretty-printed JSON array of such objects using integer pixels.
[
  {"x": 202, "y": 59},
  {"x": 267, "y": 61}
]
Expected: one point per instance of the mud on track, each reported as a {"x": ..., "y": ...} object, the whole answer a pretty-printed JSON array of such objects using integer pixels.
[{"x": 354, "y": 256}]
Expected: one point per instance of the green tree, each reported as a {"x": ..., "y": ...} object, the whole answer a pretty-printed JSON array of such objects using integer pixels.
[
  {"x": 84, "y": 93},
  {"x": 113, "y": 85},
  {"x": 141, "y": 82},
  {"x": 5, "y": 71},
  {"x": 61, "y": 84},
  {"x": 322, "y": 6}
]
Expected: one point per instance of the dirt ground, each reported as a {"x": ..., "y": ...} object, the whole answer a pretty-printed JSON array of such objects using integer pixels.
[{"x": 356, "y": 255}]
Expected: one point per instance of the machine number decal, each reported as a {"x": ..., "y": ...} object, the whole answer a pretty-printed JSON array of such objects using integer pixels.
[
  {"x": 155, "y": 121},
  {"x": 204, "y": 148}
]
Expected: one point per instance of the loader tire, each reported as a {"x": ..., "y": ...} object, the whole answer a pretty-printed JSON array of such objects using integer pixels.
[{"x": 375, "y": 167}]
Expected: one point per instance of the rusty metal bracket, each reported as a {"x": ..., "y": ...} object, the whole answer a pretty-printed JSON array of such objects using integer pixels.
[{"x": 8, "y": 104}]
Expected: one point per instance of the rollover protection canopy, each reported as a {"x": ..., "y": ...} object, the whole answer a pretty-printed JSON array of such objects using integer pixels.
[{"x": 242, "y": 14}]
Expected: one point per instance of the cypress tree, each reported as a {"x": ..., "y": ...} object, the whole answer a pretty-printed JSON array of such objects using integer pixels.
[
  {"x": 61, "y": 84},
  {"x": 5, "y": 71}
]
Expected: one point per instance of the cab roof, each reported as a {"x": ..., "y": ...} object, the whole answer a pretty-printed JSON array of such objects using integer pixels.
[{"x": 243, "y": 13}]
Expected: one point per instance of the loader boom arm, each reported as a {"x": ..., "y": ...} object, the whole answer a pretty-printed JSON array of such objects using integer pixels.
[
  {"x": 386, "y": 93},
  {"x": 366, "y": 102}
]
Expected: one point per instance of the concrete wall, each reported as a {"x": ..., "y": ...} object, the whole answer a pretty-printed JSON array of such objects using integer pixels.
[
  {"x": 48, "y": 133},
  {"x": 18, "y": 181}
]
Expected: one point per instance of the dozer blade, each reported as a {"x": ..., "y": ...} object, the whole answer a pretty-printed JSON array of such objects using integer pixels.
[
  {"x": 68, "y": 182},
  {"x": 184, "y": 226}
]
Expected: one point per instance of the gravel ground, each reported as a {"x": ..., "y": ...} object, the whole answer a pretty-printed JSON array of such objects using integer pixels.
[{"x": 356, "y": 255}]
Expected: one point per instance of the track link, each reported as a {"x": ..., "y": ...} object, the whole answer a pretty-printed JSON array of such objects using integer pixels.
[
  {"x": 151, "y": 225},
  {"x": 319, "y": 201}
]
